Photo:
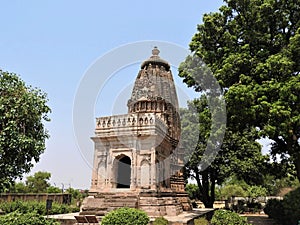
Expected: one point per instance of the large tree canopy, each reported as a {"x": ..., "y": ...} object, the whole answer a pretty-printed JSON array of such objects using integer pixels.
[
  {"x": 22, "y": 134},
  {"x": 239, "y": 155},
  {"x": 253, "y": 49}
]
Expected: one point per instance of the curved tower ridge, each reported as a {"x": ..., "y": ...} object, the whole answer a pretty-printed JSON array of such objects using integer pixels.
[{"x": 154, "y": 91}]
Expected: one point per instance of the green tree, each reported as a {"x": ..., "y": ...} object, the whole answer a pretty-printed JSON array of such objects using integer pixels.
[
  {"x": 39, "y": 182},
  {"x": 239, "y": 154},
  {"x": 193, "y": 191},
  {"x": 253, "y": 49},
  {"x": 256, "y": 191},
  {"x": 18, "y": 187},
  {"x": 53, "y": 189},
  {"x": 77, "y": 196},
  {"x": 22, "y": 134},
  {"x": 232, "y": 190},
  {"x": 275, "y": 185}
]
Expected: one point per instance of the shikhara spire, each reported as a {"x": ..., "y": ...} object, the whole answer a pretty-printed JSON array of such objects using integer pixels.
[{"x": 154, "y": 91}]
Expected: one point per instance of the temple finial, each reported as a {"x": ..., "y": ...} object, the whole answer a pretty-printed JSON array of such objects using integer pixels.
[{"x": 155, "y": 51}]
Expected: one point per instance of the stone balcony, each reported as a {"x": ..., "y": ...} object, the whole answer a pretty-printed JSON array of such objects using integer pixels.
[{"x": 141, "y": 123}]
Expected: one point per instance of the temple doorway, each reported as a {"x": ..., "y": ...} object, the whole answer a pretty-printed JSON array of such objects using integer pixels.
[{"x": 123, "y": 172}]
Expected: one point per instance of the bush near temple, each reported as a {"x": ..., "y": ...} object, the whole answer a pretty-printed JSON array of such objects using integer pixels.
[
  {"x": 38, "y": 207},
  {"x": 33, "y": 218},
  {"x": 201, "y": 221},
  {"x": 287, "y": 211},
  {"x": 160, "y": 221},
  {"x": 125, "y": 216},
  {"x": 274, "y": 209},
  {"x": 222, "y": 217}
]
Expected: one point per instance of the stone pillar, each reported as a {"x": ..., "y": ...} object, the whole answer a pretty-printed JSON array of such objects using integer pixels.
[
  {"x": 153, "y": 169},
  {"x": 133, "y": 170},
  {"x": 94, "y": 182},
  {"x": 110, "y": 172}
]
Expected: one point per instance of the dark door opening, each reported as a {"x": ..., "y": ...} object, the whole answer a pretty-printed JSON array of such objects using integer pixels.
[{"x": 124, "y": 171}]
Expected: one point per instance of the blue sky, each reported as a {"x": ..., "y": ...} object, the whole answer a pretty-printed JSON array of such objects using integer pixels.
[{"x": 52, "y": 44}]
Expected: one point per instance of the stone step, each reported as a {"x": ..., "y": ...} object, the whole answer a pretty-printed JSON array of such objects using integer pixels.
[
  {"x": 106, "y": 202},
  {"x": 120, "y": 197},
  {"x": 116, "y": 194}
]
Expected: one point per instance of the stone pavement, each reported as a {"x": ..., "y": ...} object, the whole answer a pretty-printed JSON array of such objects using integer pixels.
[
  {"x": 65, "y": 219},
  {"x": 259, "y": 219},
  {"x": 187, "y": 216}
]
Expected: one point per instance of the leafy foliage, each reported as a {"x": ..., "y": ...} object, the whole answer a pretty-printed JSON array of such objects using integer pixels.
[
  {"x": 18, "y": 187},
  {"x": 32, "y": 218},
  {"x": 201, "y": 221},
  {"x": 222, "y": 217},
  {"x": 239, "y": 155},
  {"x": 160, "y": 221},
  {"x": 193, "y": 191},
  {"x": 125, "y": 216},
  {"x": 286, "y": 211},
  {"x": 274, "y": 186},
  {"x": 232, "y": 190},
  {"x": 77, "y": 196},
  {"x": 256, "y": 191},
  {"x": 53, "y": 189},
  {"x": 35, "y": 206},
  {"x": 274, "y": 209},
  {"x": 22, "y": 134},
  {"x": 39, "y": 182},
  {"x": 270, "y": 186},
  {"x": 252, "y": 48},
  {"x": 291, "y": 203}
]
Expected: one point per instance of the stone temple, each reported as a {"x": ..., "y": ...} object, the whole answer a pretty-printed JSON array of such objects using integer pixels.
[{"x": 137, "y": 156}]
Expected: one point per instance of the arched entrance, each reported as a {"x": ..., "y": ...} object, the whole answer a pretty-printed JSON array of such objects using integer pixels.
[{"x": 123, "y": 172}]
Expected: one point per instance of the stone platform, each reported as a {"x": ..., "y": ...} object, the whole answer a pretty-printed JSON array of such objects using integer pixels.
[
  {"x": 185, "y": 218},
  {"x": 152, "y": 202},
  {"x": 102, "y": 203}
]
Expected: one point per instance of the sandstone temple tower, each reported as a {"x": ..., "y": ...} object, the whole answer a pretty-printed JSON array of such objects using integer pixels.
[{"x": 137, "y": 158}]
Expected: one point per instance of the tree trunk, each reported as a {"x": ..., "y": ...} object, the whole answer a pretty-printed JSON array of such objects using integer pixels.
[
  {"x": 207, "y": 199},
  {"x": 212, "y": 190},
  {"x": 297, "y": 165},
  {"x": 209, "y": 203}
]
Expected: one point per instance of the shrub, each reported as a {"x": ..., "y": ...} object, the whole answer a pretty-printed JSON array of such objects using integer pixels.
[
  {"x": 291, "y": 207},
  {"x": 274, "y": 209},
  {"x": 17, "y": 218},
  {"x": 254, "y": 206},
  {"x": 193, "y": 191},
  {"x": 287, "y": 211},
  {"x": 240, "y": 207},
  {"x": 38, "y": 207},
  {"x": 222, "y": 217},
  {"x": 201, "y": 221},
  {"x": 160, "y": 221},
  {"x": 256, "y": 191},
  {"x": 125, "y": 216}
]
